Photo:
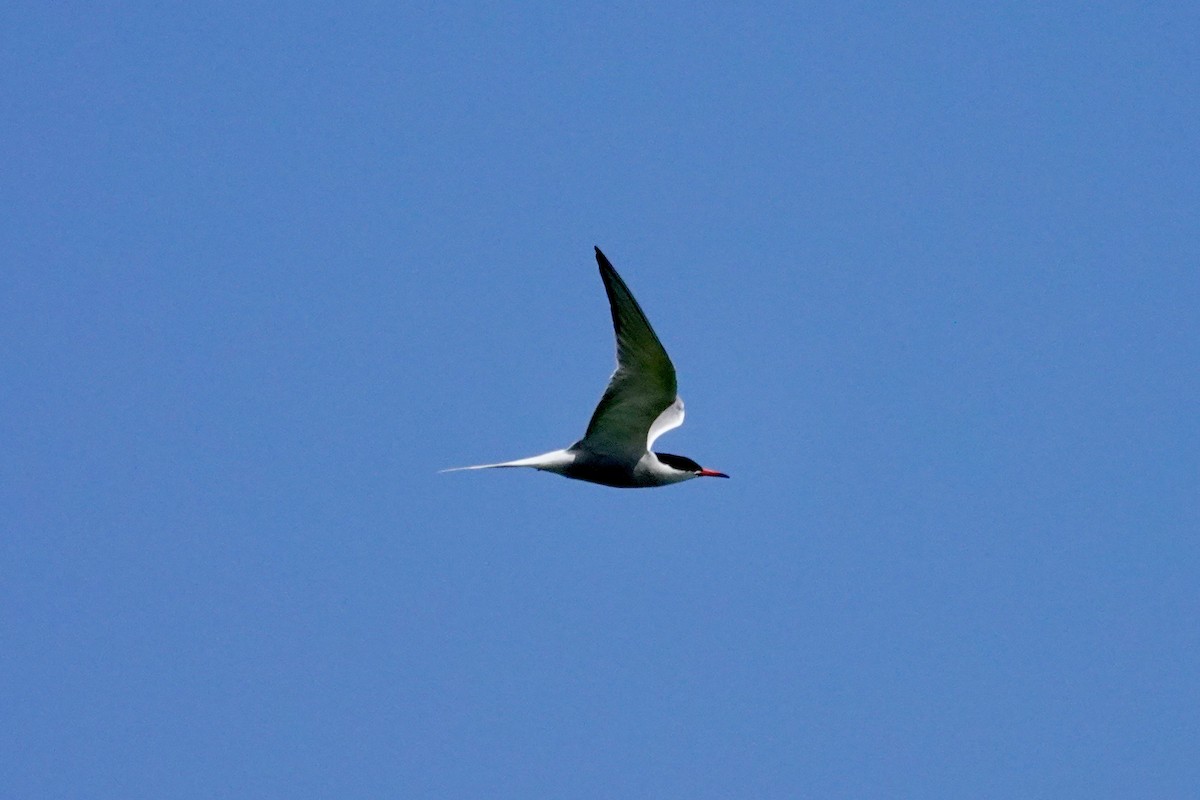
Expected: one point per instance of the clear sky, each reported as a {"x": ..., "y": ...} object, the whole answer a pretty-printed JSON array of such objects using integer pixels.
[{"x": 930, "y": 280}]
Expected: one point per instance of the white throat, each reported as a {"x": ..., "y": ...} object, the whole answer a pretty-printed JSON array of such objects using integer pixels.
[{"x": 653, "y": 470}]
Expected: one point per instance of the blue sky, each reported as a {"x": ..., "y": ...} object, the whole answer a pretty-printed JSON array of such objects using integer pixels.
[{"x": 929, "y": 278}]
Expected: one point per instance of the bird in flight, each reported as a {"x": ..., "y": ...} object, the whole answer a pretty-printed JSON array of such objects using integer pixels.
[{"x": 640, "y": 404}]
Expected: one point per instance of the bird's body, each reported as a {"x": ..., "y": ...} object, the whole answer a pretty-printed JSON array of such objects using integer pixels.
[
  {"x": 640, "y": 404},
  {"x": 581, "y": 463}
]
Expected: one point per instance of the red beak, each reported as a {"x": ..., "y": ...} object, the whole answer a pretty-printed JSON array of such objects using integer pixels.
[{"x": 711, "y": 473}]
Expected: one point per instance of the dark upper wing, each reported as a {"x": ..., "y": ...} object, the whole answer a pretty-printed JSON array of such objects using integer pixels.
[{"x": 643, "y": 386}]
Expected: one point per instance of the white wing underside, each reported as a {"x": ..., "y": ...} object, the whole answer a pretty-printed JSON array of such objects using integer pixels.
[
  {"x": 641, "y": 402},
  {"x": 670, "y": 419}
]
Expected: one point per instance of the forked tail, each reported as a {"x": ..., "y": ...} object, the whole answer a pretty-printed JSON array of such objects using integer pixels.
[{"x": 554, "y": 461}]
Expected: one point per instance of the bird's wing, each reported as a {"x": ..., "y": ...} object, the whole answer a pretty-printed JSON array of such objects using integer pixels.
[
  {"x": 669, "y": 419},
  {"x": 641, "y": 401}
]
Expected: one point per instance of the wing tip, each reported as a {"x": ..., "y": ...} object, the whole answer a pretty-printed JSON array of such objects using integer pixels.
[{"x": 602, "y": 259}]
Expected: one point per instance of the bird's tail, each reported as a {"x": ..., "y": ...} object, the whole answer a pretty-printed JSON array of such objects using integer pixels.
[{"x": 554, "y": 461}]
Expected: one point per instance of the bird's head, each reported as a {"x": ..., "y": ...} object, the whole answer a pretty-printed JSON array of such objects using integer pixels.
[{"x": 685, "y": 464}]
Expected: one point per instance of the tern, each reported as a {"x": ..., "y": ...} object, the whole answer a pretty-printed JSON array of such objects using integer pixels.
[{"x": 640, "y": 404}]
